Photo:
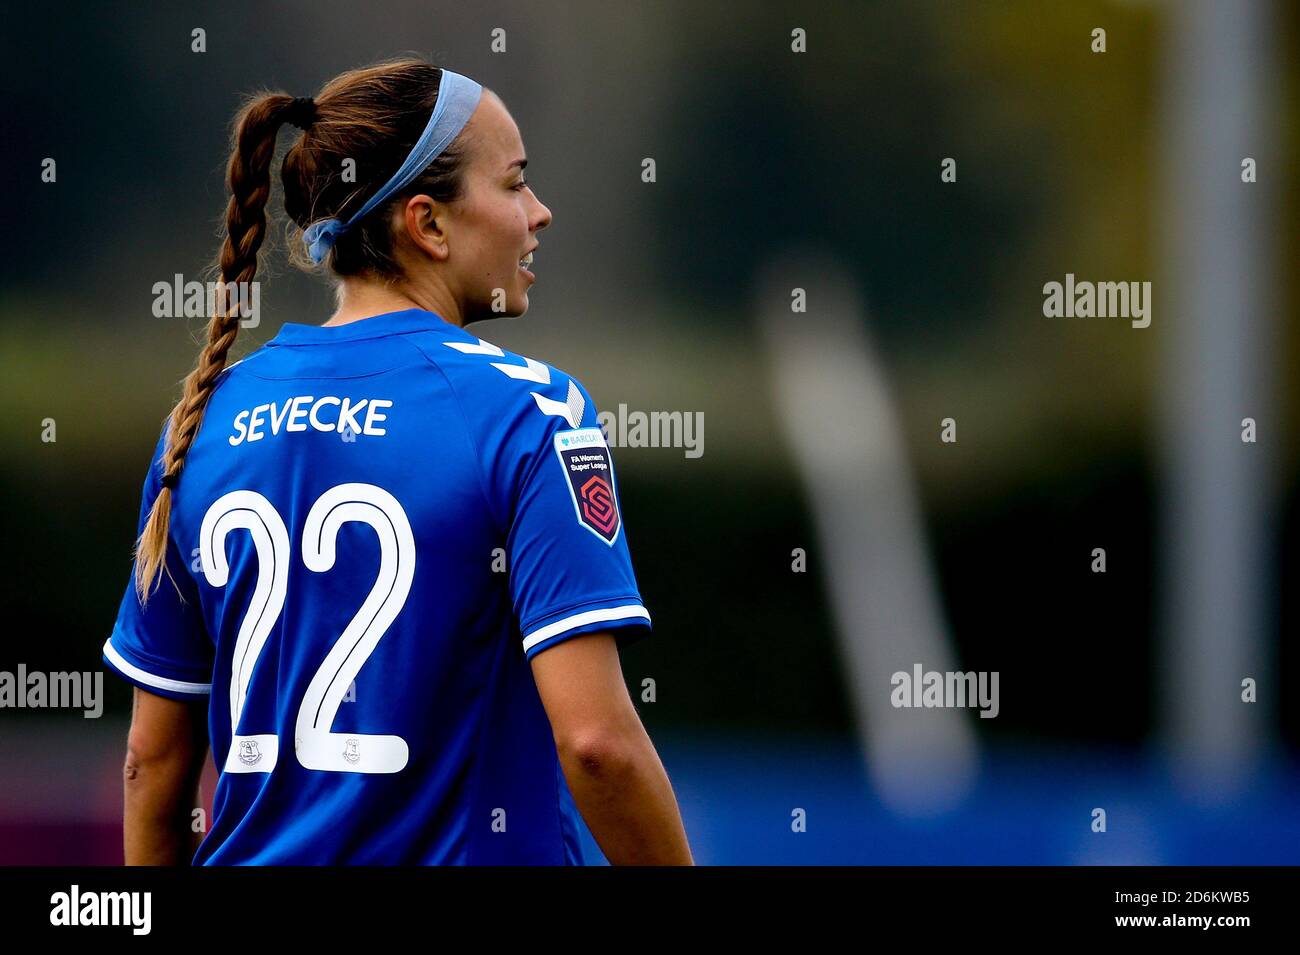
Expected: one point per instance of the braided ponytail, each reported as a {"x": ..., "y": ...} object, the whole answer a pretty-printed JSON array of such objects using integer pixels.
[{"x": 248, "y": 175}]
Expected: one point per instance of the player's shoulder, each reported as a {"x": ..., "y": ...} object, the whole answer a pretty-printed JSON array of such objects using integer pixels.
[
  {"x": 503, "y": 387},
  {"x": 233, "y": 369}
]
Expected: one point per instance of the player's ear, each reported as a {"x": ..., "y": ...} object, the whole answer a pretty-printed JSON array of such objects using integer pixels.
[{"x": 426, "y": 223}]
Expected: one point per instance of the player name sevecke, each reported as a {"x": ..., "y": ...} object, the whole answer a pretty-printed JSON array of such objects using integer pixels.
[{"x": 307, "y": 411}]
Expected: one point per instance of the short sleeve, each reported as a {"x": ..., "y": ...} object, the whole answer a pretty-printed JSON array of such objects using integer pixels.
[
  {"x": 567, "y": 550},
  {"x": 162, "y": 646}
]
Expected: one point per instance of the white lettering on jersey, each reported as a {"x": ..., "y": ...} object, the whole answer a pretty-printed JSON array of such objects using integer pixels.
[{"x": 252, "y": 423}]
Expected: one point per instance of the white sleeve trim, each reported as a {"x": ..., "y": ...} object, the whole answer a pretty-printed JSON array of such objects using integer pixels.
[
  {"x": 144, "y": 676},
  {"x": 580, "y": 619}
]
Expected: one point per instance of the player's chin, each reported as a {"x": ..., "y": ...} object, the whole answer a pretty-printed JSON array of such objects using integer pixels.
[
  {"x": 516, "y": 304},
  {"x": 519, "y": 302},
  {"x": 511, "y": 310}
]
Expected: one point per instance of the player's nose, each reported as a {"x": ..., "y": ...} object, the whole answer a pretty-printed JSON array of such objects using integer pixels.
[{"x": 542, "y": 217}]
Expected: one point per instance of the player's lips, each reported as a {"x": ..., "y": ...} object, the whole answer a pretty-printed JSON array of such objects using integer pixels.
[{"x": 526, "y": 261}]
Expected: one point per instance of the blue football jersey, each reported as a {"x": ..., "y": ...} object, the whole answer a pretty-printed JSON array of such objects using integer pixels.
[{"x": 378, "y": 525}]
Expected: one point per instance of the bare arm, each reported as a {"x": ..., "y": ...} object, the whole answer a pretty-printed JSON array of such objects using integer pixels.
[
  {"x": 165, "y": 751},
  {"x": 611, "y": 766}
]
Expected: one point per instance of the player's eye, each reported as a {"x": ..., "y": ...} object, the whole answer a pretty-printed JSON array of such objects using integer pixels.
[{"x": 520, "y": 184}]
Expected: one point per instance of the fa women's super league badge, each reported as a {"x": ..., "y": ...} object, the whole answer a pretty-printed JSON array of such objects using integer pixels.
[{"x": 586, "y": 461}]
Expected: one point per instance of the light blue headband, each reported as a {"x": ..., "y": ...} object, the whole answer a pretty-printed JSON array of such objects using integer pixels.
[{"x": 458, "y": 97}]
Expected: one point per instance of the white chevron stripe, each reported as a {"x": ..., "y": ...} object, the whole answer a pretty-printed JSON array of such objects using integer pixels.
[
  {"x": 577, "y": 403},
  {"x": 479, "y": 348},
  {"x": 535, "y": 371},
  {"x": 532, "y": 371},
  {"x": 570, "y": 409},
  {"x": 558, "y": 408}
]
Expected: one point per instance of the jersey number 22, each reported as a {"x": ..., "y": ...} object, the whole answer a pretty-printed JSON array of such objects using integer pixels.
[{"x": 315, "y": 745}]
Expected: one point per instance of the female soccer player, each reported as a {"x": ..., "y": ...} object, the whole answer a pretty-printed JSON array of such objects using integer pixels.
[{"x": 397, "y": 563}]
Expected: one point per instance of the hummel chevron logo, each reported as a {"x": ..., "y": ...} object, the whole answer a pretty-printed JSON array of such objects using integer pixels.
[{"x": 570, "y": 409}]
